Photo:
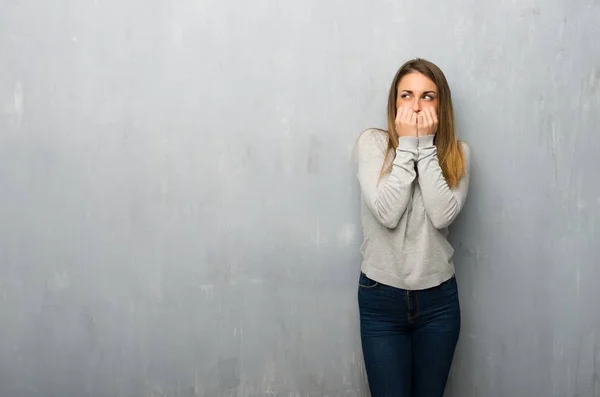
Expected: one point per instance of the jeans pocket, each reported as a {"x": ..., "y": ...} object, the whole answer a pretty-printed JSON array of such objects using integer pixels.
[{"x": 366, "y": 282}]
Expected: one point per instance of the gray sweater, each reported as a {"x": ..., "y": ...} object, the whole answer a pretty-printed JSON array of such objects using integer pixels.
[{"x": 406, "y": 213}]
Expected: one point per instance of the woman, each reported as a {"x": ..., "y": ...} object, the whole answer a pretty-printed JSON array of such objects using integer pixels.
[{"x": 414, "y": 180}]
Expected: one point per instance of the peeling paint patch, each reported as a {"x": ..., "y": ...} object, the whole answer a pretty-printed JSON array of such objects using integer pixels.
[
  {"x": 347, "y": 235},
  {"x": 312, "y": 161},
  {"x": 59, "y": 282},
  {"x": 15, "y": 107},
  {"x": 208, "y": 290}
]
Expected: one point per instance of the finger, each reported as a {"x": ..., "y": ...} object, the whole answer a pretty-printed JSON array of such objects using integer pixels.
[
  {"x": 413, "y": 122},
  {"x": 403, "y": 114},
  {"x": 421, "y": 123},
  {"x": 435, "y": 120},
  {"x": 428, "y": 117},
  {"x": 434, "y": 116},
  {"x": 399, "y": 113}
]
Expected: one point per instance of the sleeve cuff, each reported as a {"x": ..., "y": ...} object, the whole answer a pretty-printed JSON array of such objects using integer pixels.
[
  {"x": 408, "y": 143},
  {"x": 426, "y": 141}
]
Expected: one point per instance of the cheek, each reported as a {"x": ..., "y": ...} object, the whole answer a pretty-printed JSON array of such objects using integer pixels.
[{"x": 430, "y": 105}]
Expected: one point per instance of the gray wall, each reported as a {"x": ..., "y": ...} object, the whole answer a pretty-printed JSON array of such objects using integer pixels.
[{"x": 179, "y": 214}]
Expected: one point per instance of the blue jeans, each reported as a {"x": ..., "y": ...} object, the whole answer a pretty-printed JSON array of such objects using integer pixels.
[{"x": 408, "y": 337}]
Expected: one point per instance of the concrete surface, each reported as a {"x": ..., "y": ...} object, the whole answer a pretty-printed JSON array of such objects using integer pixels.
[{"x": 179, "y": 212}]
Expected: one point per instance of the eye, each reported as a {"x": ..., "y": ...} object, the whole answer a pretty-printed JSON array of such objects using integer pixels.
[
  {"x": 429, "y": 97},
  {"x": 405, "y": 96}
]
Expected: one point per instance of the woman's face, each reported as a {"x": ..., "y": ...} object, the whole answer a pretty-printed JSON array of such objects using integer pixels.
[{"x": 417, "y": 91}]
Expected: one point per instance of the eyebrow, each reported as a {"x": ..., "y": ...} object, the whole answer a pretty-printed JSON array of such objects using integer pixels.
[{"x": 426, "y": 92}]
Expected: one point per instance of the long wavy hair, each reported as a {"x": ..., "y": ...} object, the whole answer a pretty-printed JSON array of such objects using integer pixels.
[{"x": 449, "y": 151}]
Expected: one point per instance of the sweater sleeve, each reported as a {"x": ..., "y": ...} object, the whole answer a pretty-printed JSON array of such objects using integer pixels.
[
  {"x": 442, "y": 204},
  {"x": 387, "y": 198}
]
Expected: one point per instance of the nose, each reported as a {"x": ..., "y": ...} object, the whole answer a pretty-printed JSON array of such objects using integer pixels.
[{"x": 416, "y": 105}]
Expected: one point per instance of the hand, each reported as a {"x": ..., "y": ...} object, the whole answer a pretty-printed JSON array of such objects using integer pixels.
[
  {"x": 427, "y": 122},
  {"x": 406, "y": 122}
]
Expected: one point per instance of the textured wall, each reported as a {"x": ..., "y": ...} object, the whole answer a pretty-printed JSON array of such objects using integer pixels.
[{"x": 179, "y": 215}]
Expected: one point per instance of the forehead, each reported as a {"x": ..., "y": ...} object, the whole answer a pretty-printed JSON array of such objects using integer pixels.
[{"x": 416, "y": 82}]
